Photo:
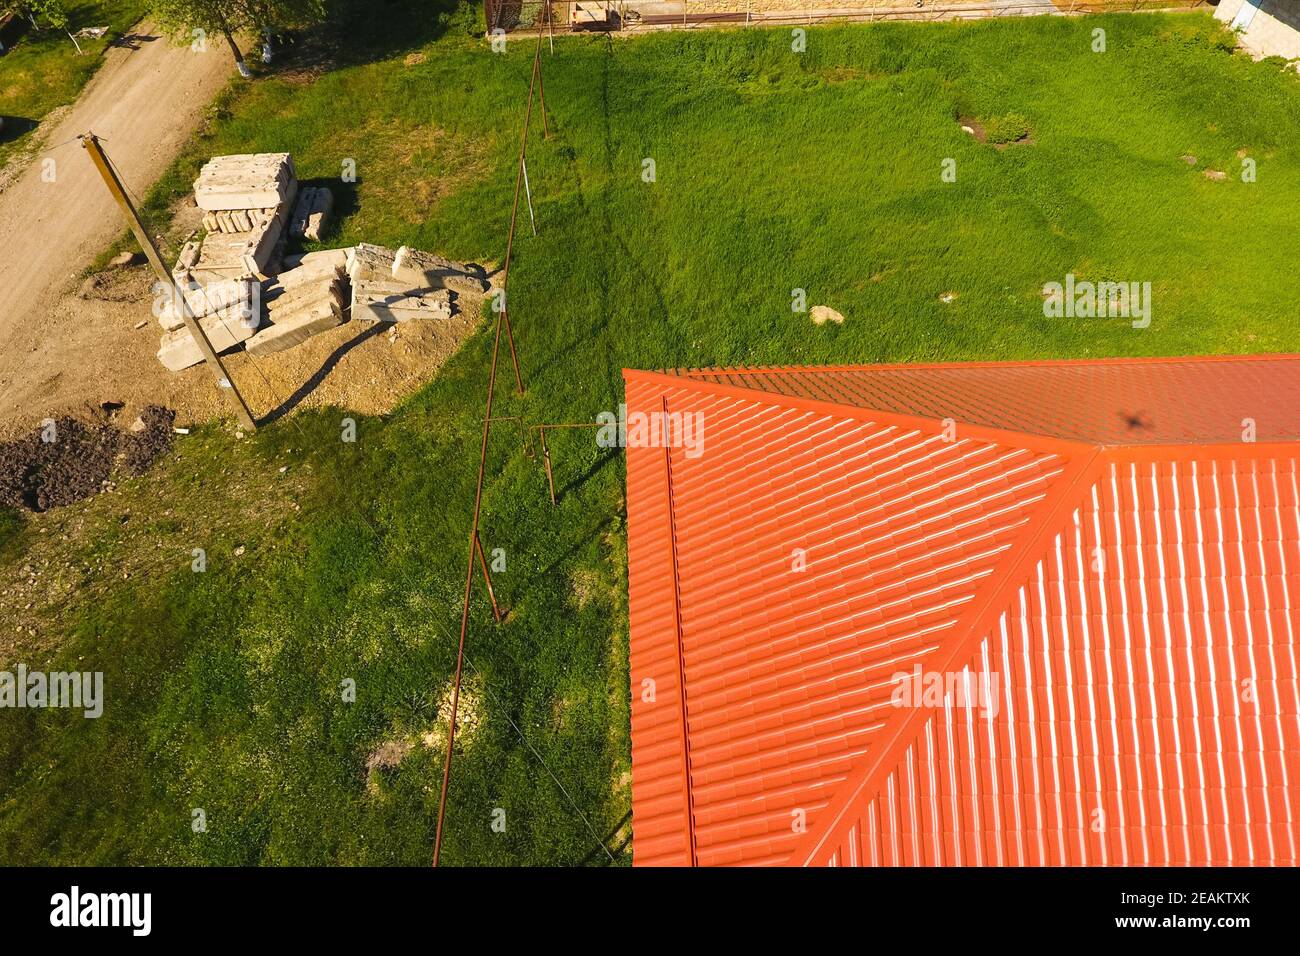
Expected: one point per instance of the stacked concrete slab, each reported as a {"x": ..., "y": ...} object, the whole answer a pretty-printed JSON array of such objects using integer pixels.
[
  {"x": 249, "y": 181},
  {"x": 246, "y": 201},
  {"x": 303, "y": 302}
]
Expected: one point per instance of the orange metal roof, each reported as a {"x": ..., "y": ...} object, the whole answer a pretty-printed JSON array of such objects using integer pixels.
[{"x": 1128, "y": 600}]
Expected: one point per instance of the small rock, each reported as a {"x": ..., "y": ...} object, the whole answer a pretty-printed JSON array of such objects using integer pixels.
[
  {"x": 1189, "y": 159},
  {"x": 823, "y": 313},
  {"x": 947, "y": 297},
  {"x": 124, "y": 259},
  {"x": 138, "y": 425},
  {"x": 968, "y": 129},
  {"x": 90, "y": 287},
  {"x": 239, "y": 551}
]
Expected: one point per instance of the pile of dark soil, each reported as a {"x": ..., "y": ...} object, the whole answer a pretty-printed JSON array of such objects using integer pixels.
[{"x": 69, "y": 459}]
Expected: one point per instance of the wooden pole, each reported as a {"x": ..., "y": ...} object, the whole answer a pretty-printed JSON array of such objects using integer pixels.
[{"x": 91, "y": 142}]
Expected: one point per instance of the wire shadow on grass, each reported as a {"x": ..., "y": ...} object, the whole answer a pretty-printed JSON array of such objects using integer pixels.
[
  {"x": 573, "y": 484},
  {"x": 623, "y": 255}
]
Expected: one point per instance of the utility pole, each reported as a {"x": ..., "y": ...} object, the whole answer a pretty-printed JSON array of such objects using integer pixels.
[{"x": 91, "y": 142}]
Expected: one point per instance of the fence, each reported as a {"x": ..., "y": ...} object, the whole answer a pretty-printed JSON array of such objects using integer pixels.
[{"x": 568, "y": 16}]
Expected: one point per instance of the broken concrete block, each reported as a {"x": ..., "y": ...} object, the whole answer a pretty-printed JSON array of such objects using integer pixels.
[
  {"x": 371, "y": 262},
  {"x": 301, "y": 210},
  {"x": 179, "y": 350},
  {"x": 308, "y": 293},
  {"x": 338, "y": 257},
  {"x": 188, "y": 258},
  {"x": 126, "y": 259},
  {"x": 419, "y": 269},
  {"x": 379, "y": 301},
  {"x": 289, "y": 284},
  {"x": 294, "y": 327},
  {"x": 318, "y": 215},
  {"x": 231, "y": 300}
]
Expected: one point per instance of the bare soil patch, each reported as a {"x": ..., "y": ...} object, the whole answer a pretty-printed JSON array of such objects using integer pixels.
[
  {"x": 100, "y": 345},
  {"x": 66, "y": 460}
]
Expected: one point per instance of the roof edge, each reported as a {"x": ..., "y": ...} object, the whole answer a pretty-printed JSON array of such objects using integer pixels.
[
  {"x": 1030, "y": 440},
  {"x": 1070, "y": 488},
  {"x": 1008, "y": 363}
]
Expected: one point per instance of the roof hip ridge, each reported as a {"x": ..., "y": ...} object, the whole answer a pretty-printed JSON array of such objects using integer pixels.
[{"x": 1063, "y": 497}]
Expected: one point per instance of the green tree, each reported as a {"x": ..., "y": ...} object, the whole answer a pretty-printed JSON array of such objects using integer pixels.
[
  {"x": 42, "y": 13},
  {"x": 229, "y": 17}
]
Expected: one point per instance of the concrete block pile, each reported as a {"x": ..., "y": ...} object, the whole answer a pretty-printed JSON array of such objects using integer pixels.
[
  {"x": 242, "y": 289},
  {"x": 246, "y": 202},
  {"x": 405, "y": 284}
]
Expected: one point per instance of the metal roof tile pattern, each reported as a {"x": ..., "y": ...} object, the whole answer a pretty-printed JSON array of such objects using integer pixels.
[
  {"x": 853, "y": 553},
  {"x": 763, "y": 725},
  {"x": 1142, "y": 691},
  {"x": 1104, "y": 402}
]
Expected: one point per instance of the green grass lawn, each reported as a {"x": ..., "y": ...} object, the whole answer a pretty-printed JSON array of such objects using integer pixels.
[
  {"x": 774, "y": 171},
  {"x": 43, "y": 70}
]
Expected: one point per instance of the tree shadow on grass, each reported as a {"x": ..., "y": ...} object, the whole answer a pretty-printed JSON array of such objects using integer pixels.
[
  {"x": 13, "y": 127},
  {"x": 363, "y": 31}
]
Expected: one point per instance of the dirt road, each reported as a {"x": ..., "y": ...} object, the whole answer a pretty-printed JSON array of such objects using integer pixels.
[{"x": 145, "y": 101}]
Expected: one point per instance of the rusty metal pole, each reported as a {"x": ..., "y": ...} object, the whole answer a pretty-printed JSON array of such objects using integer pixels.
[
  {"x": 514, "y": 212},
  {"x": 469, "y": 583},
  {"x": 541, "y": 88},
  {"x": 487, "y": 578},
  {"x": 91, "y": 142},
  {"x": 503, "y": 320}
]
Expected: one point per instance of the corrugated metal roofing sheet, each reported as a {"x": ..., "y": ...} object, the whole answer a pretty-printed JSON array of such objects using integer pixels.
[
  {"x": 1106, "y": 402},
  {"x": 787, "y": 574}
]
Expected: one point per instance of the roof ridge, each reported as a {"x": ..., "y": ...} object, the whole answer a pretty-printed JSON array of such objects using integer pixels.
[
  {"x": 1069, "y": 489},
  {"x": 1004, "y": 436},
  {"x": 693, "y": 371}
]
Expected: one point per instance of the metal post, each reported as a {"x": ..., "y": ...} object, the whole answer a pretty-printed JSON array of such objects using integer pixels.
[
  {"x": 528, "y": 192},
  {"x": 487, "y": 578},
  {"x": 475, "y": 548},
  {"x": 546, "y": 458},
  {"x": 541, "y": 89},
  {"x": 91, "y": 142}
]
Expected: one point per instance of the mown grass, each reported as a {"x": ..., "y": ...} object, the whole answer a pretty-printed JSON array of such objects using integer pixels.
[
  {"x": 774, "y": 171},
  {"x": 43, "y": 70}
]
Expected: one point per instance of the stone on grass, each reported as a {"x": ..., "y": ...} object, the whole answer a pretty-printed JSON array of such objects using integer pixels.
[{"x": 821, "y": 314}]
